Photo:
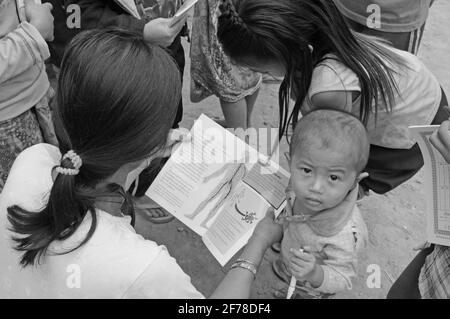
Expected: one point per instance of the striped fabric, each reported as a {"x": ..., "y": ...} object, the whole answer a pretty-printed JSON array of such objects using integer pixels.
[{"x": 434, "y": 279}]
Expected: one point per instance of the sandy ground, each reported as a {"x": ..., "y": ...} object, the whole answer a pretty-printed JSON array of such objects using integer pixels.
[{"x": 396, "y": 221}]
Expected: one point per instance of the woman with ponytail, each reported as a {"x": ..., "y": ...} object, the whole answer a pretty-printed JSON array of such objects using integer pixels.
[
  {"x": 325, "y": 64},
  {"x": 66, "y": 221}
]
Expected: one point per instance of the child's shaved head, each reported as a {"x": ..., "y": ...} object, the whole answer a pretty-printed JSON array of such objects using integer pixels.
[{"x": 332, "y": 129}]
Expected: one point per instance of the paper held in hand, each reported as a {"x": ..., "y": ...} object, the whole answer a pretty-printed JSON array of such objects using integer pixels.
[
  {"x": 216, "y": 186},
  {"x": 437, "y": 184}
]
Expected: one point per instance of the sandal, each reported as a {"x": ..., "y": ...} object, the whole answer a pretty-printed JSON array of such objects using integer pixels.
[{"x": 147, "y": 208}]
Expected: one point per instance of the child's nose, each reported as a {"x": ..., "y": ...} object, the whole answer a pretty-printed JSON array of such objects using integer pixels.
[{"x": 317, "y": 185}]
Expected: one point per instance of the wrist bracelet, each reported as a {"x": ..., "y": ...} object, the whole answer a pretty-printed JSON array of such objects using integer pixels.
[
  {"x": 245, "y": 265},
  {"x": 247, "y": 261}
]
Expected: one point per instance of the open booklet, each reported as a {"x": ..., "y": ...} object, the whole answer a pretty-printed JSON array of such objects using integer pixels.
[
  {"x": 152, "y": 9},
  {"x": 437, "y": 183},
  {"x": 220, "y": 187}
]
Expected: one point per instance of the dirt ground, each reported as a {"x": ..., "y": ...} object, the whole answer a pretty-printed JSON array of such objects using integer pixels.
[{"x": 396, "y": 221}]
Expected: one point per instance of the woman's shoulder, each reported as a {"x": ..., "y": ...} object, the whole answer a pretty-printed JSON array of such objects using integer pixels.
[{"x": 30, "y": 176}]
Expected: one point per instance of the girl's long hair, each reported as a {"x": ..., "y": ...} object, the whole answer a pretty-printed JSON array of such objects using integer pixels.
[
  {"x": 116, "y": 101},
  {"x": 299, "y": 33}
]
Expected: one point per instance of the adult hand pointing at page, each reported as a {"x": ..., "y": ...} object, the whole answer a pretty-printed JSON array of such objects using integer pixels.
[{"x": 237, "y": 283}]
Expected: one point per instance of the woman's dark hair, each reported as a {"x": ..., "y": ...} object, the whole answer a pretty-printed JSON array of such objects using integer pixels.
[
  {"x": 286, "y": 30},
  {"x": 116, "y": 102}
]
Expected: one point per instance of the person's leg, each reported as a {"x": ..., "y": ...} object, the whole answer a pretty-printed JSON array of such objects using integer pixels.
[
  {"x": 235, "y": 113},
  {"x": 407, "y": 284},
  {"x": 238, "y": 114},
  {"x": 251, "y": 100}
]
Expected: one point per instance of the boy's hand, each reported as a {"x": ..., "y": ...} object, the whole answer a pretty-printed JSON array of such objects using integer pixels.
[
  {"x": 303, "y": 266},
  {"x": 40, "y": 16},
  {"x": 441, "y": 140},
  {"x": 159, "y": 31}
]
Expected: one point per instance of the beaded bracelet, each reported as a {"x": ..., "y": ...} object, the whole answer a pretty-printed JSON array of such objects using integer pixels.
[{"x": 245, "y": 264}]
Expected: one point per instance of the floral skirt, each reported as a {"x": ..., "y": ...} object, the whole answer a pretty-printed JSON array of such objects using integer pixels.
[
  {"x": 212, "y": 72},
  {"x": 29, "y": 128}
]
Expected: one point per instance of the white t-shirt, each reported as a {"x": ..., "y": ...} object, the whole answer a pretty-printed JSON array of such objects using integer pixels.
[
  {"x": 115, "y": 263},
  {"x": 417, "y": 104}
]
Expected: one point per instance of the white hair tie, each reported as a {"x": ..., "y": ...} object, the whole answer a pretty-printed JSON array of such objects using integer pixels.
[{"x": 76, "y": 162}]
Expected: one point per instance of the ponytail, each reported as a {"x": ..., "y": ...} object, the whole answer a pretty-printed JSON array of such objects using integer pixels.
[
  {"x": 54, "y": 222},
  {"x": 66, "y": 209}
]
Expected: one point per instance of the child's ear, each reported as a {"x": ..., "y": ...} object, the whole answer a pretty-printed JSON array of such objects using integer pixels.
[{"x": 361, "y": 176}]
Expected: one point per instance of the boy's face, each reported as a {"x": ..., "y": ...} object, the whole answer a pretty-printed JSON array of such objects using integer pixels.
[{"x": 322, "y": 177}]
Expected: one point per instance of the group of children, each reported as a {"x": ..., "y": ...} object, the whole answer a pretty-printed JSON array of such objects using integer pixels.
[{"x": 357, "y": 96}]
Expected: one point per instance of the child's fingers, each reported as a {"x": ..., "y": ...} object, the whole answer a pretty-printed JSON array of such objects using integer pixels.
[
  {"x": 298, "y": 263},
  {"x": 444, "y": 134},
  {"x": 298, "y": 271},
  {"x": 436, "y": 141},
  {"x": 48, "y": 5},
  {"x": 301, "y": 255}
]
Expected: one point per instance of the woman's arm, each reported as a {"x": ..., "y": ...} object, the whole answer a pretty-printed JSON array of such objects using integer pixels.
[{"x": 237, "y": 283}]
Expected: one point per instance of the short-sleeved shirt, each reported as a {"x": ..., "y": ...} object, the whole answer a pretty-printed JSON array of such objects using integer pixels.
[
  {"x": 396, "y": 15},
  {"x": 115, "y": 263},
  {"x": 416, "y": 104}
]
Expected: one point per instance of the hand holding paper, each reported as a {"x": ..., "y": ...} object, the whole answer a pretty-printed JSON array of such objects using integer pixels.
[
  {"x": 434, "y": 142},
  {"x": 162, "y": 31}
]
